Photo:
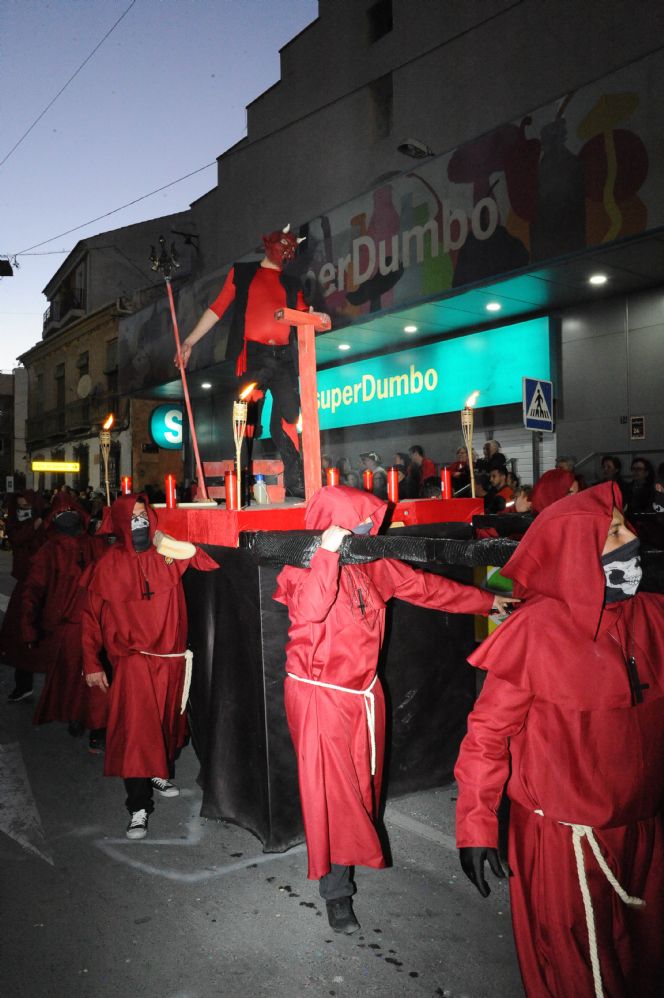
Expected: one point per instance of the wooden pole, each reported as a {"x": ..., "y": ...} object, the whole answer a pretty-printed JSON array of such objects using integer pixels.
[{"x": 308, "y": 324}]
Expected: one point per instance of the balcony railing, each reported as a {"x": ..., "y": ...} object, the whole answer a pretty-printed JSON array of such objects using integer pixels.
[
  {"x": 82, "y": 418},
  {"x": 71, "y": 300}
]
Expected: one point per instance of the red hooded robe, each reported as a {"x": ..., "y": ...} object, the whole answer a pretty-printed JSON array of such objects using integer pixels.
[
  {"x": 556, "y": 722},
  {"x": 135, "y": 605},
  {"x": 337, "y": 623},
  {"x": 50, "y": 619},
  {"x": 25, "y": 541}
]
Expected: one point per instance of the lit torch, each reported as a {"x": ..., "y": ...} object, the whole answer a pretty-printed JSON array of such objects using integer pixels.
[
  {"x": 239, "y": 430},
  {"x": 105, "y": 448},
  {"x": 467, "y": 419}
]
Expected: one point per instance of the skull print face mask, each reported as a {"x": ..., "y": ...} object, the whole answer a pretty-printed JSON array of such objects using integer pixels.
[{"x": 622, "y": 570}]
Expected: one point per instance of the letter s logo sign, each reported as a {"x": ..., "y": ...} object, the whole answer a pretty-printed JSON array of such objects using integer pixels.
[{"x": 173, "y": 426}]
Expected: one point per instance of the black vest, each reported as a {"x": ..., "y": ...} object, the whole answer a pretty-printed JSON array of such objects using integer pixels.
[{"x": 243, "y": 276}]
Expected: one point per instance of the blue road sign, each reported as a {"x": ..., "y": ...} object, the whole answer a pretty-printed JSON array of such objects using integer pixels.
[{"x": 538, "y": 404}]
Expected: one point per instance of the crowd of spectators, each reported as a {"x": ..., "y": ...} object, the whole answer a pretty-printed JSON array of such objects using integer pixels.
[{"x": 496, "y": 479}]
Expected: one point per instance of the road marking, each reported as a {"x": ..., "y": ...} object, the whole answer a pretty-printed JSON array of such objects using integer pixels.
[
  {"x": 116, "y": 849},
  {"x": 394, "y": 817},
  {"x": 19, "y": 817}
]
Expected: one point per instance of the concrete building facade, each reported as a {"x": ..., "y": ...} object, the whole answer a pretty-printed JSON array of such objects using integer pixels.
[
  {"x": 72, "y": 374},
  {"x": 540, "y": 162}
]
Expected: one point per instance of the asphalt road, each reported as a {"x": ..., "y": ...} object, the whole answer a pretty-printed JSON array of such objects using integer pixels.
[{"x": 197, "y": 910}]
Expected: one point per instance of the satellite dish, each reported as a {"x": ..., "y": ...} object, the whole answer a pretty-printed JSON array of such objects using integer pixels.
[{"x": 84, "y": 386}]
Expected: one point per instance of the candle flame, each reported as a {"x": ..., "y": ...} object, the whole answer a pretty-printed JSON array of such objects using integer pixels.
[
  {"x": 298, "y": 425},
  {"x": 472, "y": 399},
  {"x": 247, "y": 391},
  {"x": 108, "y": 422}
]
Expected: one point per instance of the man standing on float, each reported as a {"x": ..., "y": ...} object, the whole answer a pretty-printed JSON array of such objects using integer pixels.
[{"x": 264, "y": 350}]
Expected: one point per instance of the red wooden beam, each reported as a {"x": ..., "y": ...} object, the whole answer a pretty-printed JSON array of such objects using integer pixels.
[{"x": 308, "y": 324}]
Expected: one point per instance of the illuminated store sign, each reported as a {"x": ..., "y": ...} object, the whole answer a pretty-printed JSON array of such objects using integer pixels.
[
  {"x": 435, "y": 378},
  {"x": 166, "y": 426}
]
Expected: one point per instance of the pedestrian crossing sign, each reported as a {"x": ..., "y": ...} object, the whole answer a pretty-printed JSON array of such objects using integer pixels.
[{"x": 538, "y": 404}]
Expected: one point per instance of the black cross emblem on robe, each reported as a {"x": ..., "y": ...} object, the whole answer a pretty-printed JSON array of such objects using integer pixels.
[
  {"x": 635, "y": 685},
  {"x": 147, "y": 592}
]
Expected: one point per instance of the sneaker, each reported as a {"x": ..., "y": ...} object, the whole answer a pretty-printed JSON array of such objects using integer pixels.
[
  {"x": 138, "y": 826},
  {"x": 165, "y": 787},
  {"x": 341, "y": 917},
  {"x": 18, "y": 696}
]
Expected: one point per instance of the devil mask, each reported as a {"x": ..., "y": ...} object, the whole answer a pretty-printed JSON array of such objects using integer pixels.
[{"x": 280, "y": 246}]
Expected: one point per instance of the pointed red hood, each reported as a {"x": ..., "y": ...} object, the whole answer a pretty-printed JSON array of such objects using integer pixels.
[
  {"x": 61, "y": 502},
  {"x": 121, "y": 514},
  {"x": 553, "y": 485},
  {"x": 344, "y": 507},
  {"x": 560, "y": 555}
]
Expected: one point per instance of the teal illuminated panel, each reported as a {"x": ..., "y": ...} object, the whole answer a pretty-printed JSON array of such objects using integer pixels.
[{"x": 435, "y": 378}]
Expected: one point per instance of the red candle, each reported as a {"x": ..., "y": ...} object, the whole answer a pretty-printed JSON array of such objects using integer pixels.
[
  {"x": 125, "y": 484},
  {"x": 230, "y": 481},
  {"x": 171, "y": 497},
  {"x": 445, "y": 483},
  {"x": 393, "y": 485},
  {"x": 367, "y": 480},
  {"x": 332, "y": 476}
]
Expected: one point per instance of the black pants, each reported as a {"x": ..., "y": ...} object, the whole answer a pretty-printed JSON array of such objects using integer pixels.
[
  {"x": 139, "y": 794},
  {"x": 23, "y": 679},
  {"x": 273, "y": 369},
  {"x": 336, "y": 884}
]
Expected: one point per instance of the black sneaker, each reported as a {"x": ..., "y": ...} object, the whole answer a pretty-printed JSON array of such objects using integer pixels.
[
  {"x": 138, "y": 825},
  {"x": 341, "y": 917},
  {"x": 165, "y": 787},
  {"x": 20, "y": 696}
]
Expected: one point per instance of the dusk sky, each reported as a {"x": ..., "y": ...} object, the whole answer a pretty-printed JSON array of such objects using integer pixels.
[{"x": 163, "y": 95}]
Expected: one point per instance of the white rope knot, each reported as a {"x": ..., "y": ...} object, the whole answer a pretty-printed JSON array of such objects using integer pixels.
[
  {"x": 188, "y": 657},
  {"x": 580, "y": 832},
  {"x": 369, "y": 706}
]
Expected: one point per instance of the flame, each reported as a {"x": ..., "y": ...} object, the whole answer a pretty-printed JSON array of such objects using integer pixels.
[
  {"x": 472, "y": 400},
  {"x": 108, "y": 422},
  {"x": 298, "y": 425},
  {"x": 246, "y": 392}
]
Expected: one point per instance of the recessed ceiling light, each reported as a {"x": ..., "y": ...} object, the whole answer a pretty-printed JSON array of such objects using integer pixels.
[
  {"x": 410, "y": 329},
  {"x": 344, "y": 346},
  {"x": 598, "y": 279},
  {"x": 206, "y": 384},
  {"x": 493, "y": 306}
]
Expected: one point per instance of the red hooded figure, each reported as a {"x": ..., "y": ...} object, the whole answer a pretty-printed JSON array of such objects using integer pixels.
[
  {"x": 136, "y": 611},
  {"x": 550, "y": 487},
  {"x": 25, "y": 532},
  {"x": 571, "y": 718},
  {"x": 334, "y": 703},
  {"x": 51, "y": 610}
]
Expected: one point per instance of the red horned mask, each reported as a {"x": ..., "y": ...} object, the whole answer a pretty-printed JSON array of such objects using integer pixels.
[{"x": 280, "y": 246}]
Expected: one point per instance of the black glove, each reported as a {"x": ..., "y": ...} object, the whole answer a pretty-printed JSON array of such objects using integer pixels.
[{"x": 472, "y": 863}]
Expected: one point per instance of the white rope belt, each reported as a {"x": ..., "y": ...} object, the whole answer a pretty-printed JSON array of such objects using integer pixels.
[
  {"x": 188, "y": 657},
  {"x": 369, "y": 706},
  {"x": 585, "y": 831}
]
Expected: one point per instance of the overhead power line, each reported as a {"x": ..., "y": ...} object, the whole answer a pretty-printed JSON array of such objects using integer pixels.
[
  {"x": 91, "y": 221},
  {"x": 62, "y": 89}
]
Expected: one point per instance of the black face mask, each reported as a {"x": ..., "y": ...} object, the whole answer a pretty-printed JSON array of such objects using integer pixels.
[
  {"x": 140, "y": 533},
  {"x": 68, "y": 523},
  {"x": 622, "y": 569}
]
